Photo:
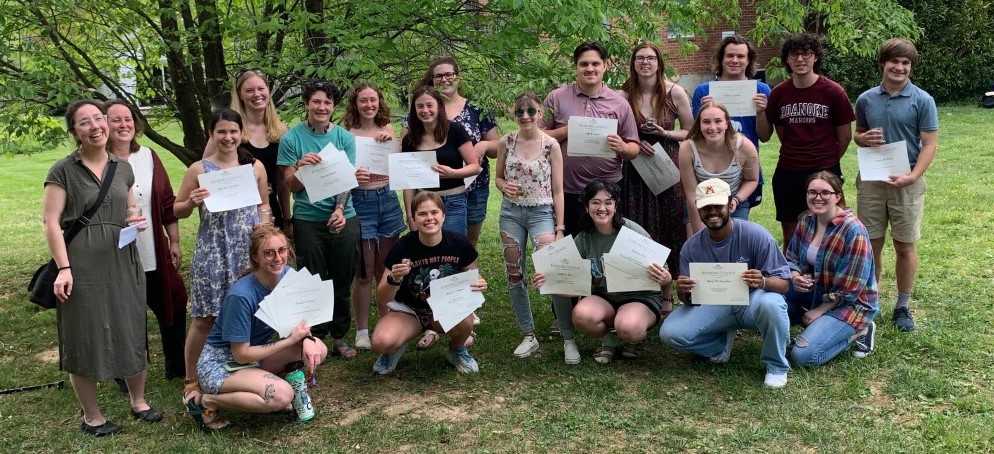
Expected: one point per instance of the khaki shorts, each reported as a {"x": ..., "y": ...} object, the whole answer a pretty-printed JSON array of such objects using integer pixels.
[{"x": 878, "y": 203}]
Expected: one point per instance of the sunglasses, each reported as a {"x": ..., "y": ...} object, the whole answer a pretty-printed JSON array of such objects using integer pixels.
[
  {"x": 243, "y": 71},
  {"x": 531, "y": 111}
]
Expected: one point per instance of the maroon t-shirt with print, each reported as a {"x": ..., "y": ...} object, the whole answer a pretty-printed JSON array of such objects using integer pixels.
[{"x": 807, "y": 119}]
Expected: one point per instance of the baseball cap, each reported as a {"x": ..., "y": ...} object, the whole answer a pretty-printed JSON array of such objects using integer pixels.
[{"x": 712, "y": 192}]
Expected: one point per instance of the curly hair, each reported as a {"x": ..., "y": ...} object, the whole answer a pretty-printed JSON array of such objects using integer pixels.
[
  {"x": 352, "y": 118},
  {"x": 802, "y": 42}
]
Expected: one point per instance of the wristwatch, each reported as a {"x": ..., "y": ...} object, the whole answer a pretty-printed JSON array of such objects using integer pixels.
[{"x": 391, "y": 281}]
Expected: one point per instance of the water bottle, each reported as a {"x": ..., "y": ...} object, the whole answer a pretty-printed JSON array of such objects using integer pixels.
[{"x": 301, "y": 400}]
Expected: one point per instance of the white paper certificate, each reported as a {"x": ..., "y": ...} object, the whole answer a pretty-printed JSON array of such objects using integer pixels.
[
  {"x": 587, "y": 136},
  {"x": 622, "y": 275},
  {"x": 658, "y": 171},
  {"x": 452, "y": 300},
  {"x": 412, "y": 170},
  {"x": 374, "y": 155},
  {"x": 879, "y": 163},
  {"x": 736, "y": 95},
  {"x": 719, "y": 284},
  {"x": 642, "y": 251},
  {"x": 330, "y": 177},
  {"x": 128, "y": 235},
  {"x": 230, "y": 189},
  {"x": 564, "y": 275}
]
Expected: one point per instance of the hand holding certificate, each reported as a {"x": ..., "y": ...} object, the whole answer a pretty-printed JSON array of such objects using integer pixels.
[
  {"x": 298, "y": 296},
  {"x": 879, "y": 163},
  {"x": 719, "y": 284},
  {"x": 330, "y": 177},
  {"x": 453, "y": 298},
  {"x": 658, "y": 171},
  {"x": 413, "y": 170},
  {"x": 373, "y": 155},
  {"x": 626, "y": 266},
  {"x": 230, "y": 189},
  {"x": 736, "y": 95},
  {"x": 564, "y": 270},
  {"x": 587, "y": 136}
]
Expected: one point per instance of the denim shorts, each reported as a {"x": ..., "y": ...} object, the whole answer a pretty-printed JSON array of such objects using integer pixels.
[
  {"x": 379, "y": 213},
  {"x": 476, "y": 204},
  {"x": 210, "y": 368},
  {"x": 455, "y": 212}
]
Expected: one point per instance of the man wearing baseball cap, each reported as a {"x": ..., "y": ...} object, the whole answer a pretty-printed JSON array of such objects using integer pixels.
[{"x": 709, "y": 330}]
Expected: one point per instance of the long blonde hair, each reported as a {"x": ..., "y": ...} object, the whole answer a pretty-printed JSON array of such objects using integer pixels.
[
  {"x": 697, "y": 135},
  {"x": 274, "y": 125}
]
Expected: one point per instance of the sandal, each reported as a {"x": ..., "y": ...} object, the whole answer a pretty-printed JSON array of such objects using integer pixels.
[
  {"x": 206, "y": 418},
  {"x": 605, "y": 354},
  {"x": 666, "y": 310},
  {"x": 191, "y": 389},
  {"x": 632, "y": 351},
  {"x": 470, "y": 340},
  {"x": 340, "y": 348},
  {"x": 428, "y": 340}
]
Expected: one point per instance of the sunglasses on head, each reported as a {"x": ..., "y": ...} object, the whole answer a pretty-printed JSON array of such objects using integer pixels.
[
  {"x": 243, "y": 71},
  {"x": 531, "y": 111}
]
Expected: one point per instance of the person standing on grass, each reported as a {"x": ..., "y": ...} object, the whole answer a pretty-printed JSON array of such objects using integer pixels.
[
  {"x": 897, "y": 110},
  {"x": 710, "y": 330},
  {"x": 833, "y": 291},
  {"x": 611, "y": 316},
  {"x": 813, "y": 118},
  {"x": 529, "y": 173},
  {"x": 380, "y": 218},
  {"x": 423, "y": 255},
  {"x": 736, "y": 60},
  {"x": 325, "y": 232},
  {"x": 587, "y": 97}
]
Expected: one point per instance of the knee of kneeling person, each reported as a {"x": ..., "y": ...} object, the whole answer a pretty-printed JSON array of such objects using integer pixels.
[
  {"x": 770, "y": 302},
  {"x": 804, "y": 356},
  {"x": 672, "y": 336},
  {"x": 282, "y": 396}
]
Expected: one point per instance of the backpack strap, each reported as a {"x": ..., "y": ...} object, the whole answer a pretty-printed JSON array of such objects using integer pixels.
[{"x": 84, "y": 220}]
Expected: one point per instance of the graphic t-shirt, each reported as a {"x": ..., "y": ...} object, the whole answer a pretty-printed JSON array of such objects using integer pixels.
[
  {"x": 428, "y": 263},
  {"x": 807, "y": 119}
]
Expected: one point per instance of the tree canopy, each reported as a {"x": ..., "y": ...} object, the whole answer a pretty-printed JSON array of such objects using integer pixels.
[{"x": 183, "y": 54}]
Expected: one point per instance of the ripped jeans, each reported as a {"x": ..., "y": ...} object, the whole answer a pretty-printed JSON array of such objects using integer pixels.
[{"x": 518, "y": 223}]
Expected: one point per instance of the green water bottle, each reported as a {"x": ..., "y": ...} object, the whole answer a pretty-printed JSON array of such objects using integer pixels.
[{"x": 301, "y": 400}]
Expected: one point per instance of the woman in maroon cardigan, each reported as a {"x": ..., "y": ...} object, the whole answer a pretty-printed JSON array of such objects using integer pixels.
[{"x": 158, "y": 246}]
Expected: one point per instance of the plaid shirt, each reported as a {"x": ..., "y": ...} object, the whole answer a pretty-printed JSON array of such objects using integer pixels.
[{"x": 844, "y": 266}]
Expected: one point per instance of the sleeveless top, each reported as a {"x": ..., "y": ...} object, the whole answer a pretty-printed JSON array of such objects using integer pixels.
[
  {"x": 731, "y": 175},
  {"x": 533, "y": 175}
]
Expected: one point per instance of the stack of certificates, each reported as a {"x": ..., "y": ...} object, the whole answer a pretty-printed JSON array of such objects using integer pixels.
[
  {"x": 626, "y": 266},
  {"x": 452, "y": 299},
  {"x": 298, "y": 296}
]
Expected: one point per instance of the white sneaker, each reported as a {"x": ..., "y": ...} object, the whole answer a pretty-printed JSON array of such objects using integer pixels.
[
  {"x": 362, "y": 342},
  {"x": 527, "y": 346},
  {"x": 463, "y": 361},
  {"x": 571, "y": 352},
  {"x": 775, "y": 381},
  {"x": 726, "y": 353},
  {"x": 476, "y": 319}
]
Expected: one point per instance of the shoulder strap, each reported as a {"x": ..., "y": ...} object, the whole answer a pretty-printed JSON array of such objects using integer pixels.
[{"x": 84, "y": 220}]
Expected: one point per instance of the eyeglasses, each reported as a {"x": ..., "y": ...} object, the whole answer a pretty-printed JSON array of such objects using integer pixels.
[
  {"x": 448, "y": 76},
  {"x": 823, "y": 194},
  {"x": 799, "y": 55},
  {"x": 599, "y": 203},
  {"x": 646, "y": 58},
  {"x": 531, "y": 111},
  {"x": 88, "y": 123},
  {"x": 270, "y": 253}
]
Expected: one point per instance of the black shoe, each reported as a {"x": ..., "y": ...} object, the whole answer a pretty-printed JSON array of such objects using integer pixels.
[
  {"x": 121, "y": 385},
  {"x": 865, "y": 344},
  {"x": 107, "y": 428},
  {"x": 150, "y": 415},
  {"x": 902, "y": 319}
]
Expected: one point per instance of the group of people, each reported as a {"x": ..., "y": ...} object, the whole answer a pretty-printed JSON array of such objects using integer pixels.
[{"x": 824, "y": 277}]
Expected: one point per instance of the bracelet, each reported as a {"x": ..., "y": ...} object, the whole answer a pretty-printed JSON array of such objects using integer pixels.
[
  {"x": 391, "y": 281},
  {"x": 738, "y": 201},
  {"x": 311, "y": 337},
  {"x": 67, "y": 267},
  {"x": 296, "y": 165},
  {"x": 764, "y": 284},
  {"x": 561, "y": 228}
]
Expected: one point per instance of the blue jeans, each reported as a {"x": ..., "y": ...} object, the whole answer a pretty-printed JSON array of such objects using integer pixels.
[
  {"x": 702, "y": 329},
  {"x": 823, "y": 339},
  {"x": 517, "y": 224},
  {"x": 742, "y": 211},
  {"x": 455, "y": 213},
  {"x": 476, "y": 204},
  {"x": 379, "y": 213}
]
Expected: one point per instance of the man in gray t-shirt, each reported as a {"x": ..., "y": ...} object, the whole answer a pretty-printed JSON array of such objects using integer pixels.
[{"x": 709, "y": 330}]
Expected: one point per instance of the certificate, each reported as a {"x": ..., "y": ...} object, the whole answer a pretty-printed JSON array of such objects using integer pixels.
[
  {"x": 638, "y": 249},
  {"x": 565, "y": 247},
  {"x": 623, "y": 275},
  {"x": 879, "y": 163},
  {"x": 373, "y": 155},
  {"x": 587, "y": 136},
  {"x": 298, "y": 296},
  {"x": 230, "y": 189},
  {"x": 563, "y": 275},
  {"x": 658, "y": 171},
  {"x": 128, "y": 235},
  {"x": 328, "y": 178},
  {"x": 736, "y": 95},
  {"x": 452, "y": 299},
  {"x": 719, "y": 284},
  {"x": 412, "y": 170}
]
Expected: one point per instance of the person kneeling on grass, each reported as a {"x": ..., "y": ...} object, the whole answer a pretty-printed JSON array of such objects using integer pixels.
[
  {"x": 833, "y": 288},
  {"x": 709, "y": 330},
  {"x": 603, "y": 313},
  {"x": 239, "y": 338},
  {"x": 420, "y": 257}
]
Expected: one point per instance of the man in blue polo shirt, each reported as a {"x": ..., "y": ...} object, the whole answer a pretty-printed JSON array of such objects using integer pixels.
[{"x": 894, "y": 111}]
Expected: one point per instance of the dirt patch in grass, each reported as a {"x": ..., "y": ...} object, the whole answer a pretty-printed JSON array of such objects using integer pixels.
[
  {"x": 436, "y": 405},
  {"x": 50, "y": 356}
]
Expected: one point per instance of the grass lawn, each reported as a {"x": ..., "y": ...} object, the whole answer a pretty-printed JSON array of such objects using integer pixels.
[{"x": 927, "y": 391}]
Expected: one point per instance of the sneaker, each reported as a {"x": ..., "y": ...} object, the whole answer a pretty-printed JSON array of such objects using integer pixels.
[
  {"x": 386, "y": 364},
  {"x": 362, "y": 342},
  {"x": 476, "y": 319},
  {"x": 775, "y": 381},
  {"x": 463, "y": 361},
  {"x": 726, "y": 353},
  {"x": 527, "y": 346},
  {"x": 571, "y": 352},
  {"x": 902, "y": 319},
  {"x": 554, "y": 327},
  {"x": 865, "y": 344}
]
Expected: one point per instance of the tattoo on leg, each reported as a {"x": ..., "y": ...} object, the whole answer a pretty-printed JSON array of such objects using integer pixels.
[{"x": 268, "y": 393}]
